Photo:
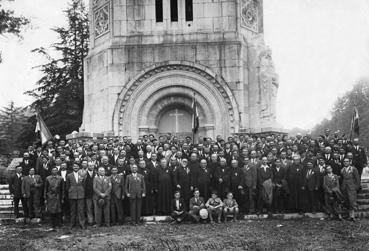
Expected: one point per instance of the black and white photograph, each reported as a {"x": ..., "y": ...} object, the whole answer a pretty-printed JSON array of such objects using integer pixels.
[{"x": 184, "y": 125}]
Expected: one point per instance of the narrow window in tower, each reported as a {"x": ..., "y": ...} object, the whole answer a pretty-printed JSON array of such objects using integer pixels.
[
  {"x": 174, "y": 10},
  {"x": 189, "y": 10},
  {"x": 159, "y": 10}
]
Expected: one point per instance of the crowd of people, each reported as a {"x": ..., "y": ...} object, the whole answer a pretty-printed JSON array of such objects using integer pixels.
[{"x": 100, "y": 182}]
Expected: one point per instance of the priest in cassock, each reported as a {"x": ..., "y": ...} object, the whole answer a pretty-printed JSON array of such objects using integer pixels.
[
  {"x": 296, "y": 179},
  {"x": 221, "y": 178},
  {"x": 164, "y": 188},
  {"x": 201, "y": 180}
]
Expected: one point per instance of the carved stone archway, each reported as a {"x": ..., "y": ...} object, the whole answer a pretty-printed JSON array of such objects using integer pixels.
[{"x": 144, "y": 98}]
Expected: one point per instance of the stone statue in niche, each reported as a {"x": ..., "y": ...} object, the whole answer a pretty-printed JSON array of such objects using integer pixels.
[
  {"x": 101, "y": 20},
  {"x": 268, "y": 83},
  {"x": 249, "y": 14}
]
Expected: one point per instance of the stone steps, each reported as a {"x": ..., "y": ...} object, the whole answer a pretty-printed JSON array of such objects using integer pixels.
[
  {"x": 6, "y": 204},
  {"x": 362, "y": 196},
  {"x": 363, "y": 201}
]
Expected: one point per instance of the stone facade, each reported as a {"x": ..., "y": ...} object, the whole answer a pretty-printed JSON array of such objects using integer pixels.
[{"x": 138, "y": 68}]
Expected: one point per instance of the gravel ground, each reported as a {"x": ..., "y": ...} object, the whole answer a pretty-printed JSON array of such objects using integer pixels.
[{"x": 305, "y": 234}]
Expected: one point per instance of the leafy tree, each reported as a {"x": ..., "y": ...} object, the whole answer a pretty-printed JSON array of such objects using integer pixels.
[
  {"x": 59, "y": 93},
  {"x": 342, "y": 113},
  {"x": 13, "y": 121},
  {"x": 11, "y": 24}
]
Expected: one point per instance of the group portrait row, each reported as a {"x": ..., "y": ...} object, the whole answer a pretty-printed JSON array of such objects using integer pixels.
[{"x": 114, "y": 181}]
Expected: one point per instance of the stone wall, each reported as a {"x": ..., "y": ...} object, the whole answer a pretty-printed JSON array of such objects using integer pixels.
[{"x": 224, "y": 37}]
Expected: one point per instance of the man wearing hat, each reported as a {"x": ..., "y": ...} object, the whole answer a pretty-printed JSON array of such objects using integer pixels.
[{"x": 102, "y": 188}]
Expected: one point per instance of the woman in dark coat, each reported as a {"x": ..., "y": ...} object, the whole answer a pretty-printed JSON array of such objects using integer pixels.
[
  {"x": 164, "y": 188},
  {"x": 53, "y": 194}
]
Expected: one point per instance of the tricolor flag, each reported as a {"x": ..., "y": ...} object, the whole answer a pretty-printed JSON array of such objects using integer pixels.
[
  {"x": 195, "y": 117},
  {"x": 42, "y": 128},
  {"x": 355, "y": 122}
]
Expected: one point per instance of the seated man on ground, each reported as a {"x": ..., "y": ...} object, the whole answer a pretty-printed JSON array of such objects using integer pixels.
[
  {"x": 196, "y": 204},
  {"x": 230, "y": 207},
  {"x": 179, "y": 213},
  {"x": 214, "y": 206}
]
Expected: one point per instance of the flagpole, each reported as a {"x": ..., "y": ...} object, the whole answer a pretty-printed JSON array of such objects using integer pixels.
[{"x": 193, "y": 121}]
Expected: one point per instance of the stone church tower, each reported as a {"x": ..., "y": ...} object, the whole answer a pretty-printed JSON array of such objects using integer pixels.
[{"x": 148, "y": 59}]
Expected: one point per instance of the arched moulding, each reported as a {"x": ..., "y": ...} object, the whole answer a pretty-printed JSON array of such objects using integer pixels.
[{"x": 176, "y": 78}]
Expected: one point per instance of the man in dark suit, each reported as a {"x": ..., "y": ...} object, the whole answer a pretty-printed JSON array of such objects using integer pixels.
[
  {"x": 117, "y": 195},
  {"x": 359, "y": 161},
  {"x": 280, "y": 190},
  {"x": 250, "y": 175},
  {"x": 113, "y": 158},
  {"x": 15, "y": 189},
  {"x": 106, "y": 165},
  {"x": 221, "y": 178},
  {"x": 102, "y": 190},
  {"x": 43, "y": 167},
  {"x": 26, "y": 164},
  {"x": 31, "y": 190},
  {"x": 89, "y": 192},
  {"x": 135, "y": 190},
  {"x": 236, "y": 181},
  {"x": 311, "y": 188},
  {"x": 179, "y": 213},
  {"x": 76, "y": 194},
  {"x": 63, "y": 172},
  {"x": 328, "y": 156},
  {"x": 182, "y": 180}
]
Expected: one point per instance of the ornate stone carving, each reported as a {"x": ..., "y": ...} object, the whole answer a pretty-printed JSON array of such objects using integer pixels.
[
  {"x": 249, "y": 15},
  {"x": 101, "y": 20},
  {"x": 94, "y": 3}
]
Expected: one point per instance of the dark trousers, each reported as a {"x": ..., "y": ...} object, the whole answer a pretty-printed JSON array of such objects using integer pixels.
[
  {"x": 311, "y": 203},
  {"x": 55, "y": 220},
  {"x": 116, "y": 210},
  {"x": 262, "y": 203},
  {"x": 90, "y": 210},
  {"x": 136, "y": 206},
  {"x": 16, "y": 207},
  {"x": 65, "y": 207},
  {"x": 249, "y": 200},
  {"x": 279, "y": 199},
  {"x": 180, "y": 217},
  {"x": 77, "y": 212},
  {"x": 155, "y": 200},
  {"x": 33, "y": 205},
  {"x": 319, "y": 197}
]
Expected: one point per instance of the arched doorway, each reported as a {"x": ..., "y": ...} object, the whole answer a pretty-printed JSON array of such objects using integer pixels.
[{"x": 145, "y": 104}]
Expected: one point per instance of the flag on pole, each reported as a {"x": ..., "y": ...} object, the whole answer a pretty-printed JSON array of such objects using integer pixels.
[
  {"x": 355, "y": 122},
  {"x": 195, "y": 117},
  {"x": 42, "y": 128}
]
